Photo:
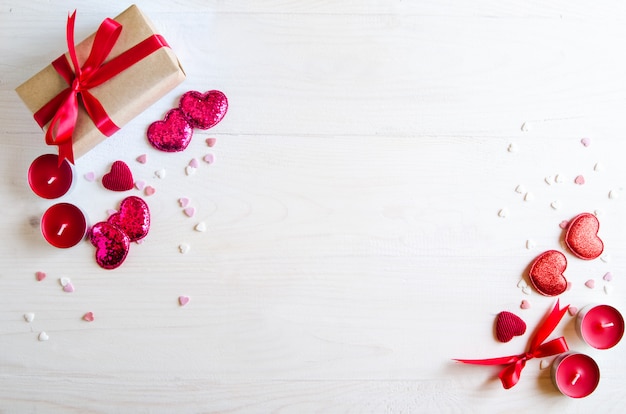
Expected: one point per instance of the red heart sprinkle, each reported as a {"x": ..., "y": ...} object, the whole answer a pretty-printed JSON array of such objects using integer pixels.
[
  {"x": 88, "y": 317},
  {"x": 509, "y": 325},
  {"x": 119, "y": 178},
  {"x": 546, "y": 273},
  {"x": 133, "y": 218},
  {"x": 40, "y": 276},
  {"x": 111, "y": 243},
  {"x": 206, "y": 110},
  {"x": 582, "y": 237},
  {"x": 173, "y": 134}
]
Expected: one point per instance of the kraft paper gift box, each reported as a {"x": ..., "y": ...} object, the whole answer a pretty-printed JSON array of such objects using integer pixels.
[{"x": 125, "y": 95}]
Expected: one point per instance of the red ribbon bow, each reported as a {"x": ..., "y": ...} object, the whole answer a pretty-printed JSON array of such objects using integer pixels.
[
  {"x": 62, "y": 110},
  {"x": 510, "y": 375}
]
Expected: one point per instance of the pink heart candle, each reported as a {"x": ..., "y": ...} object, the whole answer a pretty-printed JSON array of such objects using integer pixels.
[
  {"x": 49, "y": 180},
  {"x": 63, "y": 225},
  {"x": 600, "y": 326},
  {"x": 575, "y": 375}
]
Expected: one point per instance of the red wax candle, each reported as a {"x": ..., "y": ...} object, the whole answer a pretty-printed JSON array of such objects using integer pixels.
[
  {"x": 575, "y": 375},
  {"x": 63, "y": 225},
  {"x": 49, "y": 180},
  {"x": 600, "y": 326}
]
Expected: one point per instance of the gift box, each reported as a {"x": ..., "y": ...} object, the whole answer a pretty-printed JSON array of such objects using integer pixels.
[{"x": 147, "y": 66}]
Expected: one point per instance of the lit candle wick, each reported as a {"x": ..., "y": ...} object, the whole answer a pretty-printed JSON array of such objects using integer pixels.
[
  {"x": 63, "y": 226},
  {"x": 51, "y": 180},
  {"x": 576, "y": 377},
  {"x": 608, "y": 325}
]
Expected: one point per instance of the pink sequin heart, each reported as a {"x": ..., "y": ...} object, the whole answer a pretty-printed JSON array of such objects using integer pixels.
[
  {"x": 173, "y": 134},
  {"x": 206, "y": 110},
  {"x": 111, "y": 243},
  {"x": 133, "y": 218}
]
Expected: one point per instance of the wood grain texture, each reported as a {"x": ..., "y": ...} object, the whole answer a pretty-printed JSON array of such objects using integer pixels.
[{"x": 353, "y": 245}]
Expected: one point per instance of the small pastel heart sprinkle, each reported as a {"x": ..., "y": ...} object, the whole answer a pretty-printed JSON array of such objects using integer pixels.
[
  {"x": 140, "y": 184},
  {"x": 209, "y": 158},
  {"x": 569, "y": 285},
  {"x": 522, "y": 283},
  {"x": 69, "y": 288},
  {"x": 189, "y": 170},
  {"x": 204, "y": 110},
  {"x": 90, "y": 176},
  {"x": 183, "y": 248},
  {"x": 183, "y": 300},
  {"x": 605, "y": 257},
  {"x": 520, "y": 189},
  {"x": 88, "y": 317},
  {"x": 549, "y": 180},
  {"x": 194, "y": 163},
  {"x": 529, "y": 196},
  {"x": 573, "y": 310},
  {"x": 40, "y": 276},
  {"x": 210, "y": 141},
  {"x": 563, "y": 224},
  {"x": 544, "y": 363},
  {"x": 598, "y": 212},
  {"x": 608, "y": 276},
  {"x": 29, "y": 317},
  {"x": 598, "y": 166},
  {"x": 613, "y": 194},
  {"x": 580, "y": 180},
  {"x": 189, "y": 211},
  {"x": 160, "y": 173},
  {"x": 526, "y": 290},
  {"x": 512, "y": 148},
  {"x": 530, "y": 244},
  {"x": 608, "y": 289},
  {"x": 142, "y": 159},
  {"x": 509, "y": 325},
  {"x": 149, "y": 190},
  {"x": 173, "y": 134},
  {"x": 119, "y": 178},
  {"x": 590, "y": 283},
  {"x": 183, "y": 202},
  {"x": 43, "y": 336},
  {"x": 525, "y": 304},
  {"x": 503, "y": 213},
  {"x": 64, "y": 281},
  {"x": 526, "y": 127},
  {"x": 201, "y": 227},
  {"x": 556, "y": 204},
  {"x": 559, "y": 179},
  {"x": 586, "y": 142}
]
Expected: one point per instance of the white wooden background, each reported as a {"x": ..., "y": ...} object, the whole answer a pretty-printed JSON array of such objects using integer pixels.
[{"x": 354, "y": 245}]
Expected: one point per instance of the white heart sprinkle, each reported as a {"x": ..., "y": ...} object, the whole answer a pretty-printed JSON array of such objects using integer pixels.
[
  {"x": 29, "y": 317},
  {"x": 161, "y": 173},
  {"x": 529, "y": 196},
  {"x": 43, "y": 336},
  {"x": 189, "y": 170},
  {"x": 512, "y": 148},
  {"x": 526, "y": 127},
  {"x": 520, "y": 189},
  {"x": 558, "y": 178},
  {"x": 526, "y": 290},
  {"x": 605, "y": 257},
  {"x": 183, "y": 248},
  {"x": 503, "y": 212},
  {"x": 549, "y": 179},
  {"x": 530, "y": 244},
  {"x": 201, "y": 227},
  {"x": 544, "y": 363},
  {"x": 608, "y": 289},
  {"x": 556, "y": 204},
  {"x": 598, "y": 213},
  {"x": 613, "y": 194},
  {"x": 522, "y": 284},
  {"x": 598, "y": 167},
  {"x": 64, "y": 281}
]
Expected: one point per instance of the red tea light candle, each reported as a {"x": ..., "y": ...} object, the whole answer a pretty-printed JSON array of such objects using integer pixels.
[
  {"x": 600, "y": 326},
  {"x": 49, "y": 180},
  {"x": 63, "y": 225},
  {"x": 575, "y": 375}
]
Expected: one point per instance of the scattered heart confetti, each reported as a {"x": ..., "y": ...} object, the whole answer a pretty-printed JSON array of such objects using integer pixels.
[
  {"x": 88, "y": 317},
  {"x": 544, "y": 363},
  {"x": 522, "y": 283},
  {"x": 133, "y": 218},
  {"x": 194, "y": 163},
  {"x": 526, "y": 127},
  {"x": 569, "y": 286},
  {"x": 512, "y": 148},
  {"x": 29, "y": 317},
  {"x": 40, "y": 276},
  {"x": 204, "y": 111},
  {"x": 559, "y": 179},
  {"x": 211, "y": 141},
  {"x": 530, "y": 244},
  {"x": 503, "y": 213},
  {"x": 556, "y": 204},
  {"x": 608, "y": 289},
  {"x": 201, "y": 227},
  {"x": 69, "y": 288},
  {"x": 608, "y": 276},
  {"x": 613, "y": 194},
  {"x": 142, "y": 159},
  {"x": 590, "y": 283},
  {"x": 586, "y": 142},
  {"x": 520, "y": 189},
  {"x": 209, "y": 158},
  {"x": 549, "y": 179},
  {"x": 580, "y": 180},
  {"x": 119, "y": 178},
  {"x": 563, "y": 224},
  {"x": 189, "y": 170},
  {"x": 90, "y": 176},
  {"x": 598, "y": 167},
  {"x": 149, "y": 190},
  {"x": 140, "y": 184},
  {"x": 526, "y": 290},
  {"x": 183, "y": 248},
  {"x": 183, "y": 300},
  {"x": 573, "y": 310},
  {"x": 525, "y": 304},
  {"x": 546, "y": 273},
  {"x": 582, "y": 236},
  {"x": 183, "y": 202},
  {"x": 64, "y": 281},
  {"x": 173, "y": 134},
  {"x": 43, "y": 336},
  {"x": 605, "y": 258},
  {"x": 509, "y": 325},
  {"x": 189, "y": 211},
  {"x": 160, "y": 173},
  {"x": 111, "y": 244},
  {"x": 529, "y": 196}
]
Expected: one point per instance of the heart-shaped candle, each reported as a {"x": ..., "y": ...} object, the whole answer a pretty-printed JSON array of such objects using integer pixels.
[
  {"x": 133, "y": 218},
  {"x": 111, "y": 243},
  {"x": 582, "y": 236},
  {"x": 204, "y": 111},
  {"x": 119, "y": 178},
  {"x": 546, "y": 273},
  {"x": 173, "y": 134},
  {"x": 509, "y": 325}
]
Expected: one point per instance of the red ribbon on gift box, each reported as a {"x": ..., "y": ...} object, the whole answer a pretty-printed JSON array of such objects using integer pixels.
[
  {"x": 62, "y": 110},
  {"x": 510, "y": 375}
]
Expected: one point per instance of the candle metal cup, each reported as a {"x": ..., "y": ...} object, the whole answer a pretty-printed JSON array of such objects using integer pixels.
[
  {"x": 600, "y": 326},
  {"x": 48, "y": 179},
  {"x": 575, "y": 375},
  {"x": 63, "y": 225}
]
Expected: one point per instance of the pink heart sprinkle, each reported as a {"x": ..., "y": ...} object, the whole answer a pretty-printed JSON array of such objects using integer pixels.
[
  {"x": 563, "y": 224},
  {"x": 194, "y": 163},
  {"x": 90, "y": 176},
  {"x": 69, "y": 288},
  {"x": 149, "y": 190},
  {"x": 190, "y": 211},
  {"x": 586, "y": 142},
  {"x": 40, "y": 276},
  {"x": 573, "y": 310},
  {"x": 525, "y": 304},
  {"x": 209, "y": 158},
  {"x": 569, "y": 285},
  {"x": 88, "y": 317},
  {"x": 140, "y": 184},
  {"x": 210, "y": 141},
  {"x": 142, "y": 159},
  {"x": 183, "y": 202},
  {"x": 590, "y": 283},
  {"x": 580, "y": 180},
  {"x": 183, "y": 300},
  {"x": 608, "y": 276}
]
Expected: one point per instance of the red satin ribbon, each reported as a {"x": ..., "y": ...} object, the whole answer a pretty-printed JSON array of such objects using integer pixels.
[
  {"x": 62, "y": 110},
  {"x": 515, "y": 363}
]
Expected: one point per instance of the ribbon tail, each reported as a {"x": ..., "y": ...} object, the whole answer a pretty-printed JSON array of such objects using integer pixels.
[{"x": 510, "y": 375}]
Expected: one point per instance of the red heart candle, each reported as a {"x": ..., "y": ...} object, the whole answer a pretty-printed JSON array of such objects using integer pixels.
[
  {"x": 63, "y": 225},
  {"x": 600, "y": 326},
  {"x": 575, "y": 375},
  {"x": 49, "y": 180}
]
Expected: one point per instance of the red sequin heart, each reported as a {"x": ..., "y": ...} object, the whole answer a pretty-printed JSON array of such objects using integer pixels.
[
  {"x": 509, "y": 325},
  {"x": 111, "y": 243},
  {"x": 119, "y": 178},
  {"x": 173, "y": 134},
  {"x": 133, "y": 218},
  {"x": 582, "y": 237},
  {"x": 546, "y": 273},
  {"x": 204, "y": 111}
]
